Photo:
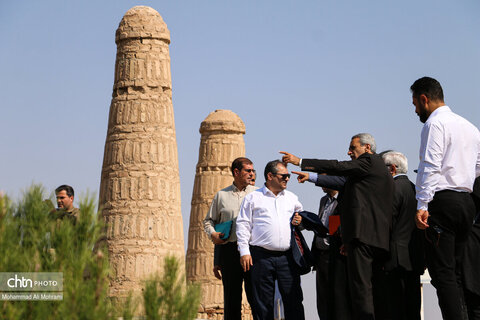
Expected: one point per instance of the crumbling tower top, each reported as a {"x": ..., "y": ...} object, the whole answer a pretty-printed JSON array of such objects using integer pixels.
[
  {"x": 142, "y": 22},
  {"x": 225, "y": 121}
]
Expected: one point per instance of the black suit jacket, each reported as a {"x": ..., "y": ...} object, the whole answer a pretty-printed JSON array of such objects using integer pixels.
[
  {"x": 405, "y": 240},
  {"x": 323, "y": 201},
  {"x": 366, "y": 205}
]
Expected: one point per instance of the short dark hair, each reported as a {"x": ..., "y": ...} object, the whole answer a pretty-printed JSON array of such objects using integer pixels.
[
  {"x": 67, "y": 188},
  {"x": 239, "y": 162},
  {"x": 272, "y": 167},
  {"x": 430, "y": 87}
]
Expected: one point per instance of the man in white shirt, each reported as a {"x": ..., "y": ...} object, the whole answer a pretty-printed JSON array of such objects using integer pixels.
[
  {"x": 264, "y": 235},
  {"x": 225, "y": 207},
  {"x": 449, "y": 163}
]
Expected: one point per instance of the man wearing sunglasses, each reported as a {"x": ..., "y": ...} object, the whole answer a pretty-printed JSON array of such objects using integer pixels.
[
  {"x": 365, "y": 213},
  {"x": 264, "y": 235},
  {"x": 225, "y": 207}
]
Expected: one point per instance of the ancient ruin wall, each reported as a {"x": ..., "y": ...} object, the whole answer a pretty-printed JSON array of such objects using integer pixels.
[
  {"x": 140, "y": 185},
  {"x": 221, "y": 142}
]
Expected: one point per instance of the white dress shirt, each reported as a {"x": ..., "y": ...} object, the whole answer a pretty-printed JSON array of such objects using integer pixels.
[
  {"x": 264, "y": 220},
  {"x": 449, "y": 155}
]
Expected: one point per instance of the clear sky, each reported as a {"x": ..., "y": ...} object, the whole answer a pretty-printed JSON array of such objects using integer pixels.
[{"x": 303, "y": 75}]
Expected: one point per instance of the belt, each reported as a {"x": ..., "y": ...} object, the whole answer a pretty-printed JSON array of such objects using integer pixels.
[{"x": 270, "y": 252}]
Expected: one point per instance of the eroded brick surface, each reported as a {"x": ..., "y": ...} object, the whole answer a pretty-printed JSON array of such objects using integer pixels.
[
  {"x": 221, "y": 142},
  {"x": 140, "y": 184}
]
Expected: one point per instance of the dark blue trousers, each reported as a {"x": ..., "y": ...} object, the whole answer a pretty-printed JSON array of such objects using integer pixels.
[{"x": 269, "y": 266}]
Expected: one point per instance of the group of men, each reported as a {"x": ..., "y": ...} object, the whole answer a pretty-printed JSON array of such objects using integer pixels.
[{"x": 370, "y": 267}]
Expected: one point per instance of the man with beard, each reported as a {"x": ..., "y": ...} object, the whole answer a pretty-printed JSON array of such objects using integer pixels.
[{"x": 449, "y": 163}]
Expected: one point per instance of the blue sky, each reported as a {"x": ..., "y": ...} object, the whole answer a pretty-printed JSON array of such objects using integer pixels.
[{"x": 303, "y": 75}]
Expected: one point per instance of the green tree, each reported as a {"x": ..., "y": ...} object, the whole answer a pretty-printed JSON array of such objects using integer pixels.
[
  {"x": 34, "y": 238},
  {"x": 167, "y": 298}
]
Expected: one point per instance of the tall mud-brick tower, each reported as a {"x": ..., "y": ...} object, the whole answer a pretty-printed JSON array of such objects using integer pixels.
[
  {"x": 140, "y": 185},
  {"x": 221, "y": 142}
]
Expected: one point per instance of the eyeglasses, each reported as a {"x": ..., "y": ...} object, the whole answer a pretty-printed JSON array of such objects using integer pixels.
[
  {"x": 250, "y": 170},
  {"x": 284, "y": 176}
]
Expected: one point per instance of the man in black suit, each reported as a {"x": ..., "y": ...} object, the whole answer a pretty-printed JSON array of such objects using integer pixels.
[
  {"x": 365, "y": 213},
  {"x": 406, "y": 264}
]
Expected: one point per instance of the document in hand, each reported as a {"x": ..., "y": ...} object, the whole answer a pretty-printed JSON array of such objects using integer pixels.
[{"x": 224, "y": 228}]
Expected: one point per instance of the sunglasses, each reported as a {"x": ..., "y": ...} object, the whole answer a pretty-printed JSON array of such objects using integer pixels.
[
  {"x": 250, "y": 170},
  {"x": 284, "y": 176}
]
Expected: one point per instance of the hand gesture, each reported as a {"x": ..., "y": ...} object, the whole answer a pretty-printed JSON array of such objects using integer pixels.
[
  {"x": 290, "y": 158},
  {"x": 302, "y": 176}
]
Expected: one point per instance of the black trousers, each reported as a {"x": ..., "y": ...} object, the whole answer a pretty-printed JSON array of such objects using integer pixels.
[
  {"x": 401, "y": 296},
  {"x": 269, "y": 266},
  {"x": 339, "y": 301},
  {"x": 450, "y": 221},
  {"x": 322, "y": 282},
  {"x": 364, "y": 265},
  {"x": 232, "y": 279},
  {"x": 473, "y": 305}
]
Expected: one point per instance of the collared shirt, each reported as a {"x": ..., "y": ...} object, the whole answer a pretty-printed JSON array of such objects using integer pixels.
[
  {"x": 449, "y": 155},
  {"x": 327, "y": 210},
  {"x": 225, "y": 207},
  {"x": 323, "y": 243},
  {"x": 264, "y": 220}
]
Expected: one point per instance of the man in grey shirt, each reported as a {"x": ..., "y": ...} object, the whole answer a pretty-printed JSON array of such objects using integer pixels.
[{"x": 225, "y": 207}]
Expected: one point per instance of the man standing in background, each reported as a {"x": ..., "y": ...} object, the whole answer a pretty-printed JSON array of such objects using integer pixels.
[
  {"x": 225, "y": 207},
  {"x": 402, "y": 272},
  {"x": 65, "y": 196}
]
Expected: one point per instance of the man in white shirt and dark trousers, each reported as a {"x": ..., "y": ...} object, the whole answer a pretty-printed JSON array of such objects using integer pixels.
[
  {"x": 449, "y": 163},
  {"x": 225, "y": 207},
  {"x": 264, "y": 235}
]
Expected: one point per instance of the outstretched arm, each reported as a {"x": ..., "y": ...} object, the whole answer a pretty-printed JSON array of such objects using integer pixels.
[{"x": 331, "y": 182}]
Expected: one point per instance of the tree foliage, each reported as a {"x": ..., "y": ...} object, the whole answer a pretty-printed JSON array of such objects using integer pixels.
[
  {"x": 34, "y": 238},
  {"x": 166, "y": 298}
]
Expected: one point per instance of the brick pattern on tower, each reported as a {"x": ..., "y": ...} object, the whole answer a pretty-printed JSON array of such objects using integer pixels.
[
  {"x": 221, "y": 142},
  {"x": 140, "y": 184}
]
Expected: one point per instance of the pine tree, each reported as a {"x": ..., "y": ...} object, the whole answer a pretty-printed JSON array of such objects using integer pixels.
[{"x": 34, "y": 238}]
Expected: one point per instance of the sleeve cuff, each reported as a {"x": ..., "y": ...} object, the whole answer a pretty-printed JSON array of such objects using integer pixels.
[
  {"x": 209, "y": 230},
  {"x": 244, "y": 251},
  {"x": 312, "y": 177},
  {"x": 422, "y": 205}
]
